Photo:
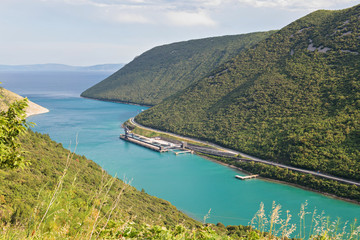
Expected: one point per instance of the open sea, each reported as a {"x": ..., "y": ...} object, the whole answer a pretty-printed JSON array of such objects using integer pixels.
[{"x": 191, "y": 183}]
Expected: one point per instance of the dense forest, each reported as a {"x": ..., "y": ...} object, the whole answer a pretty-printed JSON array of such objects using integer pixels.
[
  {"x": 164, "y": 70},
  {"x": 292, "y": 98}
]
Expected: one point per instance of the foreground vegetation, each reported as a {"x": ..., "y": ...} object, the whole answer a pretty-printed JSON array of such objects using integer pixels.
[
  {"x": 57, "y": 216},
  {"x": 84, "y": 183},
  {"x": 164, "y": 70},
  {"x": 293, "y": 98}
]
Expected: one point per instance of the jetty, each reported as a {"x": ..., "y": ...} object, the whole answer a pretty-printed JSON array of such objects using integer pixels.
[
  {"x": 246, "y": 177},
  {"x": 157, "y": 144}
]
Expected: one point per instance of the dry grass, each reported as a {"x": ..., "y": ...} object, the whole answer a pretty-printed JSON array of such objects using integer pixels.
[{"x": 272, "y": 225}]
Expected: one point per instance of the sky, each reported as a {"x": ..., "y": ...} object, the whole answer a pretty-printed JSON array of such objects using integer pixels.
[{"x": 89, "y": 32}]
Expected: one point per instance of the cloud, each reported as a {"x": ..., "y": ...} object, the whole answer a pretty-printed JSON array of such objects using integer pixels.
[
  {"x": 160, "y": 12},
  {"x": 297, "y": 4},
  {"x": 190, "y": 19},
  {"x": 130, "y": 18},
  {"x": 181, "y": 5},
  {"x": 185, "y": 12}
]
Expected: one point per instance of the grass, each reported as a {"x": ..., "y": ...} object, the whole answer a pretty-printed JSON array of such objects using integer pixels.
[
  {"x": 60, "y": 198},
  {"x": 318, "y": 227},
  {"x": 98, "y": 224}
]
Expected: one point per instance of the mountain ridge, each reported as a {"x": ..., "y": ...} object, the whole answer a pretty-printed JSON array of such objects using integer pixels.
[
  {"x": 163, "y": 70},
  {"x": 292, "y": 98}
]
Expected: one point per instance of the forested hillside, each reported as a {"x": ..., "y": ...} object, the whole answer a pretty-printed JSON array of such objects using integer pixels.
[
  {"x": 292, "y": 98},
  {"x": 164, "y": 70}
]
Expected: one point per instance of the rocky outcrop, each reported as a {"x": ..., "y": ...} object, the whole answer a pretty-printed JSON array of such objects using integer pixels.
[{"x": 8, "y": 97}]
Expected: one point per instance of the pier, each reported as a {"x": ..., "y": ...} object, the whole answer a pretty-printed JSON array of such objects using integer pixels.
[
  {"x": 181, "y": 151},
  {"x": 246, "y": 177},
  {"x": 157, "y": 144}
]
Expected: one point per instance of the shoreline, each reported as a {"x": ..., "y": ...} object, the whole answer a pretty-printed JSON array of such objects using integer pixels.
[
  {"x": 117, "y": 101},
  {"x": 35, "y": 109},
  {"x": 279, "y": 181},
  {"x": 275, "y": 180},
  {"x": 244, "y": 171},
  {"x": 247, "y": 157},
  {"x": 9, "y": 97}
]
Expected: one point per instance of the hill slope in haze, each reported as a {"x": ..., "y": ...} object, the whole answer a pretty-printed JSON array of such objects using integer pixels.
[
  {"x": 292, "y": 98},
  {"x": 164, "y": 70},
  {"x": 60, "y": 67}
]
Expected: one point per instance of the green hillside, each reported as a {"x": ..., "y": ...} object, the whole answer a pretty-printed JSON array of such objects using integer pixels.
[
  {"x": 85, "y": 192},
  {"x": 292, "y": 98},
  {"x": 164, "y": 70}
]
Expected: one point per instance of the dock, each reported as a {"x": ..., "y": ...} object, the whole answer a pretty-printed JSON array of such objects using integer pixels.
[
  {"x": 246, "y": 177},
  {"x": 181, "y": 151},
  {"x": 142, "y": 142},
  {"x": 156, "y": 144}
]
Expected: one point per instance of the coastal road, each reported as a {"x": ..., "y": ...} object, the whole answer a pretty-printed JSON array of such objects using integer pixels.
[{"x": 247, "y": 157}]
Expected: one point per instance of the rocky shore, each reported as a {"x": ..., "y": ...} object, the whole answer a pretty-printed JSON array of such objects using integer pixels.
[
  {"x": 34, "y": 109},
  {"x": 8, "y": 97}
]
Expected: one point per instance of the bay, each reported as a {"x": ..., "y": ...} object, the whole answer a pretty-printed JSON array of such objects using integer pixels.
[{"x": 191, "y": 183}]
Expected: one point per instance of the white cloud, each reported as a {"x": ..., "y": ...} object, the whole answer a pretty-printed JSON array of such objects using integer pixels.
[
  {"x": 190, "y": 19},
  {"x": 297, "y": 4},
  {"x": 181, "y": 5},
  {"x": 178, "y": 13},
  {"x": 130, "y": 18}
]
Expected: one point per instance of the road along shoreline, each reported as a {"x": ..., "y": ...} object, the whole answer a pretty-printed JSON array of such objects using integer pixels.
[
  {"x": 246, "y": 157},
  {"x": 213, "y": 157}
]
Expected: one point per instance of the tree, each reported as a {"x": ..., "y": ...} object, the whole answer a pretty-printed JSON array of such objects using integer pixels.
[{"x": 12, "y": 125}]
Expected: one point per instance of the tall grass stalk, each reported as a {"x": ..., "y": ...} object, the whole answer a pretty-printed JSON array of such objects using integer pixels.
[
  {"x": 58, "y": 187},
  {"x": 102, "y": 202},
  {"x": 302, "y": 215},
  {"x": 260, "y": 221},
  {"x": 274, "y": 218},
  {"x": 114, "y": 205},
  {"x": 207, "y": 216},
  {"x": 321, "y": 227}
]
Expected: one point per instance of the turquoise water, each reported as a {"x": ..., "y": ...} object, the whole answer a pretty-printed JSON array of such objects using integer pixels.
[{"x": 191, "y": 183}]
